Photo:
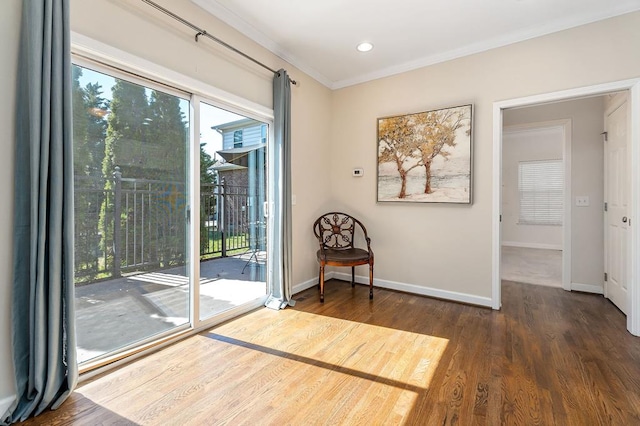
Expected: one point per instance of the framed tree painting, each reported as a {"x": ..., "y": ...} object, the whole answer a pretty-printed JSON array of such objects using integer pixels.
[{"x": 426, "y": 157}]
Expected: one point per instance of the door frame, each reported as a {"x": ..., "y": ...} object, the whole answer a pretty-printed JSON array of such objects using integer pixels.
[
  {"x": 633, "y": 86},
  {"x": 565, "y": 125}
]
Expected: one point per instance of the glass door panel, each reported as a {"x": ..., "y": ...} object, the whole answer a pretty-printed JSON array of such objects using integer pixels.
[
  {"x": 131, "y": 193},
  {"x": 232, "y": 210}
]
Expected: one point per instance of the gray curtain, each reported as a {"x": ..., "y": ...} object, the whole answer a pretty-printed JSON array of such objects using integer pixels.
[
  {"x": 43, "y": 331},
  {"x": 280, "y": 214}
]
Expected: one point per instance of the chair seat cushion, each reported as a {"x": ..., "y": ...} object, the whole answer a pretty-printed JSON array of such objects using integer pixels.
[{"x": 344, "y": 257}]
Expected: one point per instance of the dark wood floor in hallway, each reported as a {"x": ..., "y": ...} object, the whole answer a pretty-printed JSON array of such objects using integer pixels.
[{"x": 548, "y": 357}]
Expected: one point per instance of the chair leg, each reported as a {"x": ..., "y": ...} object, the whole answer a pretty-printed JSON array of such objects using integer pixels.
[
  {"x": 353, "y": 276},
  {"x": 321, "y": 284},
  {"x": 370, "y": 282},
  {"x": 319, "y": 272}
]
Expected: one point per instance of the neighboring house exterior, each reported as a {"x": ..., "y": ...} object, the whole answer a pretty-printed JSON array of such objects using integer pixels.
[
  {"x": 242, "y": 133},
  {"x": 244, "y": 171},
  {"x": 243, "y": 142}
]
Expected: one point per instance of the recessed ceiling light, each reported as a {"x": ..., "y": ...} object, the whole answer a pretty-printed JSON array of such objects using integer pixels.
[{"x": 364, "y": 47}]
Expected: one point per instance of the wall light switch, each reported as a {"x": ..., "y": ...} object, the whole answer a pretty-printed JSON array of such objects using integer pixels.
[
  {"x": 293, "y": 199},
  {"x": 582, "y": 201},
  {"x": 358, "y": 172}
]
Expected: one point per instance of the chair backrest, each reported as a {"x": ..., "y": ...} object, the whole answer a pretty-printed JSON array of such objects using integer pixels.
[{"x": 336, "y": 230}]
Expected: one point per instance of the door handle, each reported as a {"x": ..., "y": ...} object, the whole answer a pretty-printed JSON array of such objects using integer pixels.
[{"x": 624, "y": 219}]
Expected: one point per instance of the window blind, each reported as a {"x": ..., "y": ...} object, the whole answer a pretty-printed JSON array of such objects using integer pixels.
[{"x": 541, "y": 188}]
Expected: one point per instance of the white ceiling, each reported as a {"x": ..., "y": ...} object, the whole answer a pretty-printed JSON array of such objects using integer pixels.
[{"x": 320, "y": 37}]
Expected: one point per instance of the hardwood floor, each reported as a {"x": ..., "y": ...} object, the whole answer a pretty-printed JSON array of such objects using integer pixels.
[{"x": 548, "y": 357}]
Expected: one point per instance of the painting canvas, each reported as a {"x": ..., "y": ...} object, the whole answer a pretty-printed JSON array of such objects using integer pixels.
[{"x": 426, "y": 157}]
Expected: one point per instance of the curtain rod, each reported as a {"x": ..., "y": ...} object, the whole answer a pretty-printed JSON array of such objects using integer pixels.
[{"x": 201, "y": 32}]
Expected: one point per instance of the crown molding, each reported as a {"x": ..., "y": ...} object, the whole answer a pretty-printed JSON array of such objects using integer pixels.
[
  {"x": 238, "y": 23},
  {"x": 523, "y": 35}
]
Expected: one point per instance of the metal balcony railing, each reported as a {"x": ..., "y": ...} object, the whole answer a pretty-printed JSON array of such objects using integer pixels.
[{"x": 125, "y": 225}]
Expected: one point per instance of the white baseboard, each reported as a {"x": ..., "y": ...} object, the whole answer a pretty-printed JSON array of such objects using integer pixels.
[
  {"x": 310, "y": 283},
  {"x": 587, "y": 288},
  {"x": 5, "y": 403},
  {"x": 418, "y": 289},
  {"x": 532, "y": 245}
]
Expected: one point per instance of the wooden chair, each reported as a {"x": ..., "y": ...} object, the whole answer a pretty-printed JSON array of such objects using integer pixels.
[{"x": 335, "y": 232}]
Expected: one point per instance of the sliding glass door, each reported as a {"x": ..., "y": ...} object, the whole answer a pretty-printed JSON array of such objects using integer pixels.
[
  {"x": 161, "y": 246},
  {"x": 232, "y": 210},
  {"x": 131, "y": 151}
]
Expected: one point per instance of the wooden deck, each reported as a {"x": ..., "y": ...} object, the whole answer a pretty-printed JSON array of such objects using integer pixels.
[
  {"x": 549, "y": 357},
  {"x": 158, "y": 301}
]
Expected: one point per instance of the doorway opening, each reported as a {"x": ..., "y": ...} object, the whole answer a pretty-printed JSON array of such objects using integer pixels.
[
  {"x": 583, "y": 230},
  {"x": 536, "y": 182}
]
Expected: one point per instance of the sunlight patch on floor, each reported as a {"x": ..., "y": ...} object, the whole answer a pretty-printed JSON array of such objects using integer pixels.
[
  {"x": 341, "y": 371},
  {"x": 393, "y": 356}
]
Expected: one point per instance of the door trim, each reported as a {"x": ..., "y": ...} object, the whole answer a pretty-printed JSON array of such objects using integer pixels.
[{"x": 633, "y": 85}]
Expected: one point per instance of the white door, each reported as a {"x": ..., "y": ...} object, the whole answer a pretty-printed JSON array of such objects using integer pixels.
[{"x": 617, "y": 212}]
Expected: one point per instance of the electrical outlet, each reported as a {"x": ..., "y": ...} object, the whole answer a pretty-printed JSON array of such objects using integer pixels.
[
  {"x": 358, "y": 172},
  {"x": 582, "y": 201}
]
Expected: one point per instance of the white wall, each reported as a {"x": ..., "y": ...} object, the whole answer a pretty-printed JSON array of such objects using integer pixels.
[
  {"x": 9, "y": 36},
  {"x": 448, "y": 247},
  {"x": 527, "y": 145},
  {"x": 136, "y": 28},
  {"x": 587, "y": 179}
]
